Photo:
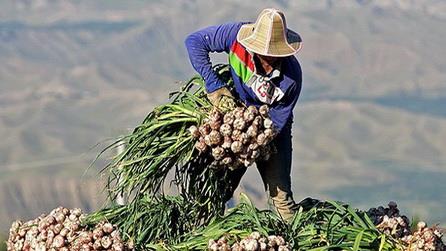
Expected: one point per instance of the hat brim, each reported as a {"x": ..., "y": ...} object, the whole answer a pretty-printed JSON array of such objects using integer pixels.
[{"x": 290, "y": 47}]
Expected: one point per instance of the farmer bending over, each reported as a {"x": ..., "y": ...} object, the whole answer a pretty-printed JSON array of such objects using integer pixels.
[{"x": 264, "y": 71}]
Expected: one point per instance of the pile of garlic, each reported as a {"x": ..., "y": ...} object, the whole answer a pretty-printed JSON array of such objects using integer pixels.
[
  {"x": 424, "y": 239},
  {"x": 389, "y": 221},
  {"x": 62, "y": 230}
]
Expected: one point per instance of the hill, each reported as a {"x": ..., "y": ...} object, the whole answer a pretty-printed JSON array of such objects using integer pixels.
[{"x": 368, "y": 127}]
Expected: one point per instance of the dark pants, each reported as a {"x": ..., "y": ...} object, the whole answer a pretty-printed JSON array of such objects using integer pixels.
[{"x": 276, "y": 176}]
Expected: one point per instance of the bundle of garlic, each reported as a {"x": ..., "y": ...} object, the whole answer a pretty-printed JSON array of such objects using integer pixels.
[
  {"x": 425, "y": 239},
  {"x": 236, "y": 138},
  {"x": 389, "y": 221},
  {"x": 62, "y": 230},
  {"x": 254, "y": 242}
]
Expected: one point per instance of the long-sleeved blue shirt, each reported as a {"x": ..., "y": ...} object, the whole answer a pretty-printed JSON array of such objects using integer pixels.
[{"x": 279, "y": 91}]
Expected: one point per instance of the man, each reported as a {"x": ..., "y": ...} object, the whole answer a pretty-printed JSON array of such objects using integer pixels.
[{"x": 265, "y": 72}]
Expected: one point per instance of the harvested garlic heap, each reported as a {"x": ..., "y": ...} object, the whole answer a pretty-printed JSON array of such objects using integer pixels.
[
  {"x": 424, "y": 239},
  {"x": 254, "y": 242},
  {"x": 389, "y": 221},
  {"x": 236, "y": 138},
  {"x": 62, "y": 230}
]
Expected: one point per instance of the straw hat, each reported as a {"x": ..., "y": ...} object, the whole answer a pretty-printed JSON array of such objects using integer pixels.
[{"x": 269, "y": 35}]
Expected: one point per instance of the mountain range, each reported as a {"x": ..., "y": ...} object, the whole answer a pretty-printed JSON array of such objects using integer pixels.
[{"x": 369, "y": 126}]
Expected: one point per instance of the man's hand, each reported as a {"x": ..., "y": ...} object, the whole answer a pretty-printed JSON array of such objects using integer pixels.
[{"x": 221, "y": 97}]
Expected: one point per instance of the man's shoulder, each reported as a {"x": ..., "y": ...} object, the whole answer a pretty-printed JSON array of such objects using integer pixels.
[
  {"x": 293, "y": 70},
  {"x": 229, "y": 32},
  {"x": 232, "y": 30},
  {"x": 232, "y": 27},
  {"x": 235, "y": 24}
]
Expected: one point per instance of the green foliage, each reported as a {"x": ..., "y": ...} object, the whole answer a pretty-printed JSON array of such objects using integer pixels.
[
  {"x": 333, "y": 225},
  {"x": 158, "y": 145},
  {"x": 171, "y": 223},
  {"x": 238, "y": 223},
  {"x": 150, "y": 219},
  {"x": 327, "y": 226}
]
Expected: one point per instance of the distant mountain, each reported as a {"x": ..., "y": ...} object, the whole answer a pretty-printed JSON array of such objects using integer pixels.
[{"x": 369, "y": 126}]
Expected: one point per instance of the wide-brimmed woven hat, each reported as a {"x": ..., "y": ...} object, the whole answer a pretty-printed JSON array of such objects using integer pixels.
[{"x": 269, "y": 35}]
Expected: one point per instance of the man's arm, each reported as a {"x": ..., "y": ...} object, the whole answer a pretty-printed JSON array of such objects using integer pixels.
[{"x": 211, "y": 39}]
